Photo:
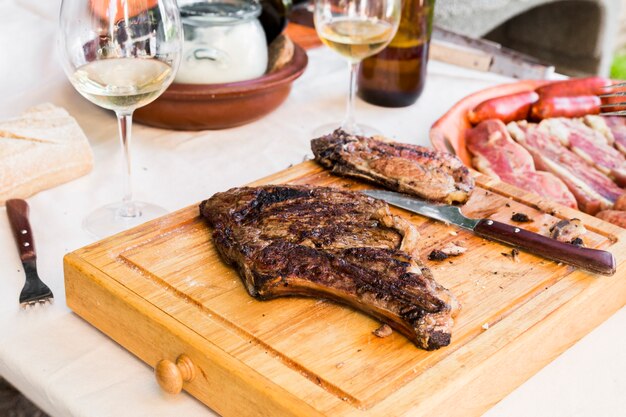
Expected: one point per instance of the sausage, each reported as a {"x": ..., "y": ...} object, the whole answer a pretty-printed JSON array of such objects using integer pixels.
[
  {"x": 577, "y": 106},
  {"x": 575, "y": 87},
  {"x": 507, "y": 108},
  {"x": 617, "y": 102}
]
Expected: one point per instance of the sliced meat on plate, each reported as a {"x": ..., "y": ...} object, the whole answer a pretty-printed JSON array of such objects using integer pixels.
[
  {"x": 620, "y": 203},
  {"x": 496, "y": 154},
  {"x": 589, "y": 144},
  {"x": 594, "y": 191},
  {"x": 612, "y": 127}
]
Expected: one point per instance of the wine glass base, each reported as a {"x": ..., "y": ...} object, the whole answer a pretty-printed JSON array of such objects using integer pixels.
[
  {"x": 328, "y": 128},
  {"x": 109, "y": 220}
]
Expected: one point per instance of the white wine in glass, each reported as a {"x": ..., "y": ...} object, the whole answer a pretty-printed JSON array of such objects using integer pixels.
[
  {"x": 120, "y": 55},
  {"x": 356, "y": 39},
  {"x": 356, "y": 29},
  {"x": 122, "y": 83}
]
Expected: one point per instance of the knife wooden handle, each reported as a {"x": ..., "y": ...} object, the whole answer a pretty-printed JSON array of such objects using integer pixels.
[
  {"x": 17, "y": 210},
  {"x": 594, "y": 260}
]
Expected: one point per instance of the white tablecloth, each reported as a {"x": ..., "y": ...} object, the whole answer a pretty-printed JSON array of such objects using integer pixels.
[{"x": 70, "y": 369}]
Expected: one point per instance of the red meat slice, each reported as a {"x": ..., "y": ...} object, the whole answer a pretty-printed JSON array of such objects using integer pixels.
[
  {"x": 593, "y": 190},
  {"x": 612, "y": 127},
  {"x": 497, "y": 155},
  {"x": 589, "y": 144}
]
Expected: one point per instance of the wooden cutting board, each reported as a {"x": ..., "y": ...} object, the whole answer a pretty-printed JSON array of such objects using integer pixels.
[{"x": 161, "y": 290}]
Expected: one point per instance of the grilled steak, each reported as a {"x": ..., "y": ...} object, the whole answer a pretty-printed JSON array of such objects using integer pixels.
[
  {"x": 402, "y": 167},
  {"x": 335, "y": 244}
]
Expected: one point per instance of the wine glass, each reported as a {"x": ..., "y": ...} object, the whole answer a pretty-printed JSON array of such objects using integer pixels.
[
  {"x": 356, "y": 29},
  {"x": 120, "y": 55}
]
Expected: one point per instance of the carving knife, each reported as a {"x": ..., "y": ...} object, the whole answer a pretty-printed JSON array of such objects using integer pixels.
[{"x": 593, "y": 260}]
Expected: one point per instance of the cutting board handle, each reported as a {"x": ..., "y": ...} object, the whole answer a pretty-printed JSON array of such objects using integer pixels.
[{"x": 171, "y": 376}]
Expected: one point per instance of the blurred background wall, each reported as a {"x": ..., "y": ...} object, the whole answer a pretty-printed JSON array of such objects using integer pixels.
[{"x": 578, "y": 36}]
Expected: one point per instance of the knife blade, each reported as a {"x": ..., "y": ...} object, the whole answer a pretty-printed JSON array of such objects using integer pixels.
[{"x": 593, "y": 260}]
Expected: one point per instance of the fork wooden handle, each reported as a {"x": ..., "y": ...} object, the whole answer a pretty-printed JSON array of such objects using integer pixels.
[{"x": 17, "y": 210}]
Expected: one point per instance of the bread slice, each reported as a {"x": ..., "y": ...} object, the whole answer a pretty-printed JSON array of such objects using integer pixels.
[
  {"x": 280, "y": 53},
  {"x": 42, "y": 148}
]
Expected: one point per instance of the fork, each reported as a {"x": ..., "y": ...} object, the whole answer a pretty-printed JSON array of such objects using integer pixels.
[
  {"x": 609, "y": 107},
  {"x": 34, "y": 290}
]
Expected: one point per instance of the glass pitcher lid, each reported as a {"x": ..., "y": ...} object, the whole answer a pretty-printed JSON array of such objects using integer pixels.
[{"x": 212, "y": 12}]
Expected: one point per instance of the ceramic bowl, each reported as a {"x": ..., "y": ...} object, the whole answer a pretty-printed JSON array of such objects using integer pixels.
[{"x": 220, "y": 106}]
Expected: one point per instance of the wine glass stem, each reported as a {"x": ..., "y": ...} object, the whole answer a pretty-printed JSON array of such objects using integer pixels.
[
  {"x": 349, "y": 123},
  {"x": 125, "y": 124}
]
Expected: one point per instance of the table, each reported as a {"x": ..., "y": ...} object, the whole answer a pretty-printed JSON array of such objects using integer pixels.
[{"x": 69, "y": 368}]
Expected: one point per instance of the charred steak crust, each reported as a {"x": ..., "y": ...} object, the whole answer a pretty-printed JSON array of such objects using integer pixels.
[
  {"x": 412, "y": 169},
  {"x": 330, "y": 243}
]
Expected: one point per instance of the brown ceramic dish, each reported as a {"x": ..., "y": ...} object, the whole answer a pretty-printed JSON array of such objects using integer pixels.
[{"x": 220, "y": 106}]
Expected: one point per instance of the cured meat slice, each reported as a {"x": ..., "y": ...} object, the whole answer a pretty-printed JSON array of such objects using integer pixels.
[
  {"x": 617, "y": 125},
  {"x": 612, "y": 127},
  {"x": 598, "y": 123},
  {"x": 499, "y": 156},
  {"x": 589, "y": 144},
  {"x": 412, "y": 169},
  {"x": 324, "y": 242},
  {"x": 593, "y": 190},
  {"x": 495, "y": 152}
]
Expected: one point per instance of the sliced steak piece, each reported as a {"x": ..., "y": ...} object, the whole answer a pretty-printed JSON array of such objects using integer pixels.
[
  {"x": 496, "y": 154},
  {"x": 329, "y": 243},
  {"x": 593, "y": 190},
  {"x": 589, "y": 144},
  {"x": 412, "y": 169}
]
